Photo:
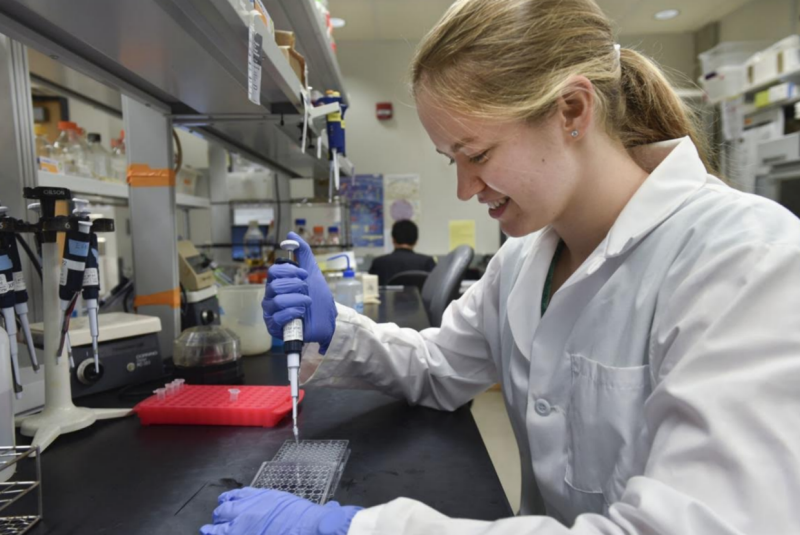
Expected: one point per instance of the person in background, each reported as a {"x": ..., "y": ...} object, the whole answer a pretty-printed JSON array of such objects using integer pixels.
[
  {"x": 642, "y": 319},
  {"x": 404, "y": 236}
]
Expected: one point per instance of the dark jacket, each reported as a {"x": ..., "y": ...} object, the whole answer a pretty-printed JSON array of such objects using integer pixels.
[{"x": 387, "y": 266}]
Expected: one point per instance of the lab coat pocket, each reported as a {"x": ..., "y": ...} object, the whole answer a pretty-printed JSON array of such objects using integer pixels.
[{"x": 605, "y": 424}]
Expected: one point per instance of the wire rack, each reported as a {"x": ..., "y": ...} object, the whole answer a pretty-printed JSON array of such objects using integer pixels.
[
  {"x": 310, "y": 469},
  {"x": 12, "y": 491}
]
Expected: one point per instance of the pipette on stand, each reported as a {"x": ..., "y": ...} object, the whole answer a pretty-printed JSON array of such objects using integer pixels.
[
  {"x": 76, "y": 249},
  {"x": 91, "y": 291},
  {"x": 293, "y": 343},
  {"x": 21, "y": 302},
  {"x": 20, "y": 290},
  {"x": 7, "y": 300}
]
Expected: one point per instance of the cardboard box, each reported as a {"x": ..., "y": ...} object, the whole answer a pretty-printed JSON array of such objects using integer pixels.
[
  {"x": 285, "y": 39},
  {"x": 297, "y": 62}
]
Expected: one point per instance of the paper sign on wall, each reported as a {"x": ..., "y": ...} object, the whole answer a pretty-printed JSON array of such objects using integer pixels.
[{"x": 462, "y": 232}]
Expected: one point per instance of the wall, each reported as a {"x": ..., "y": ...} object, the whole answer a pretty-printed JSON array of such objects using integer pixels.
[
  {"x": 770, "y": 20},
  {"x": 375, "y": 71},
  {"x": 674, "y": 52}
]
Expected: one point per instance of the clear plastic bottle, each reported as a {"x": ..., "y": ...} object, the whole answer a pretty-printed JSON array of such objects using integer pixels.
[
  {"x": 119, "y": 162},
  {"x": 349, "y": 291},
  {"x": 66, "y": 147},
  {"x": 254, "y": 245},
  {"x": 83, "y": 160},
  {"x": 300, "y": 229},
  {"x": 99, "y": 157}
]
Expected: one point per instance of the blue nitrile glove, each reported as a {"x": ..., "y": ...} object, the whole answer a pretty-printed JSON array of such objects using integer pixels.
[
  {"x": 250, "y": 511},
  {"x": 302, "y": 292}
]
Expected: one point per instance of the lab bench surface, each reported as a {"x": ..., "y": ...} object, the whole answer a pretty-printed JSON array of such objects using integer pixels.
[{"x": 120, "y": 477}]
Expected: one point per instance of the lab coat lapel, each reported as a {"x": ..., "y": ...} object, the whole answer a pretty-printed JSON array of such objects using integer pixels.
[{"x": 526, "y": 294}]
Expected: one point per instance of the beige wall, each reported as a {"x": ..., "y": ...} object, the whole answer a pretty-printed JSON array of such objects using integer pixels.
[
  {"x": 376, "y": 72},
  {"x": 769, "y": 20},
  {"x": 675, "y": 52}
]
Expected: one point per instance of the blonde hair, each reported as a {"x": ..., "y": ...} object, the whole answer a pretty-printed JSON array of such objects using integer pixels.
[{"x": 513, "y": 59}]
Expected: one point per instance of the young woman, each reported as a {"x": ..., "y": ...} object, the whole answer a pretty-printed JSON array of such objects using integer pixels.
[{"x": 644, "y": 325}]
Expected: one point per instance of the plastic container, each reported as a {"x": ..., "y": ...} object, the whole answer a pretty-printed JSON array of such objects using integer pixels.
[
  {"x": 43, "y": 147},
  {"x": 68, "y": 149},
  {"x": 729, "y": 54},
  {"x": 187, "y": 180},
  {"x": 255, "y": 406},
  {"x": 333, "y": 236},
  {"x": 254, "y": 245},
  {"x": 309, "y": 469},
  {"x": 241, "y": 312},
  {"x": 349, "y": 291},
  {"x": 206, "y": 345},
  {"x": 119, "y": 161},
  {"x": 788, "y": 55},
  {"x": 318, "y": 238},
  {"x": 99, "y": 157},
  {"x": 300, "y": 228}
]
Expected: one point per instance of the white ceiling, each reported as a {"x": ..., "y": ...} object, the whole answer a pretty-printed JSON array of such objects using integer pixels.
[{"x": 411, "y": 19}]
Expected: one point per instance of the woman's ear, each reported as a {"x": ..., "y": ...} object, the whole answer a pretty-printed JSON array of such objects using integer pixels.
[{"x": 576, "y": 107}]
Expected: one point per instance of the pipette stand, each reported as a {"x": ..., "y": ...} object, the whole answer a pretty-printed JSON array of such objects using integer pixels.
[{"x": 59, "y": 415}]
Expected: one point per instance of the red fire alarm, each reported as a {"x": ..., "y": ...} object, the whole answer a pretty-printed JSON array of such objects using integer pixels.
[{"x": 384, "y": 111}]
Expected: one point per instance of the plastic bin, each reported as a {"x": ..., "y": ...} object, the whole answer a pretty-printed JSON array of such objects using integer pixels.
[
  {"x": 241, "y": 312},
  {"x": 724, "y": 72},
  {"x": 186, "y": 180}
]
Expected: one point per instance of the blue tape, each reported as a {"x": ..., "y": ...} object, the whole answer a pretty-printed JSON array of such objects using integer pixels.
[
  {"x": 5, "y": 263},
  {"x": 78, "y": 248}
]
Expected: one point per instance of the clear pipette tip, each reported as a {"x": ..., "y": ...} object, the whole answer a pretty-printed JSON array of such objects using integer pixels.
[
  {"x": 96, "y": 353},
  {"x": 295, "y": 430}
]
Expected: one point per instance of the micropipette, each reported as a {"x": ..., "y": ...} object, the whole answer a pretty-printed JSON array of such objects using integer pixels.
[
  {"x": 91, "y": 292},
  {"x": 21, "y": 302},
  {"x": 76, "y": 250},
  {"x": 293, "y": 343},
  {"x": 7, "y": 300}
]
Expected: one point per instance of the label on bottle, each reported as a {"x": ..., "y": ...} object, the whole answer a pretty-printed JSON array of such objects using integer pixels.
[
  {"x": 254, "y": 65},
  {"x": 91, "y": 277},
  {"x": 359, "y": 303},
  {"x": 49, "y": 164},
  {"x": 293, "y": 331},
  {"x": 19, "y": 282},
  {"x": 4, "y": 286}
]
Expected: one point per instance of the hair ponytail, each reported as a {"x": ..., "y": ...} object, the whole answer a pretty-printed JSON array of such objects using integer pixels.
[{"x": 650, "y": 110}]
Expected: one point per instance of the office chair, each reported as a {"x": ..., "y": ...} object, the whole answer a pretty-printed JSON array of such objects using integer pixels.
[
  {"x": 442, "y": 284},
  {"x": 412, "y": 277}
]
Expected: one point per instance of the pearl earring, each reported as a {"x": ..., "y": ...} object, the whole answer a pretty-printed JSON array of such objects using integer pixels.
[{"x": 574, "y": 133}]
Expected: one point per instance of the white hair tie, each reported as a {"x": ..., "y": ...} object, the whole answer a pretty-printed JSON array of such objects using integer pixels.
[{"x": 617, "y": 51}]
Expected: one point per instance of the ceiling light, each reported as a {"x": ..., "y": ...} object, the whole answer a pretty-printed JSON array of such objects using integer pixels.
[
  {"x": 337, "y": 22},
  {"x": 667, "y": 14}
]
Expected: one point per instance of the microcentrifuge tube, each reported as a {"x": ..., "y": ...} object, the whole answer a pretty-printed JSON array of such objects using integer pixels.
[
  {"x": 161, "y": 393},
  {"x": 234, "y": 394}
]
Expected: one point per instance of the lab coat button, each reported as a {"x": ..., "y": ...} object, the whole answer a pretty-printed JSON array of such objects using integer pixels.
[
  {"x": 542, "y": 407},
  {"x": 595, "y": 264}
]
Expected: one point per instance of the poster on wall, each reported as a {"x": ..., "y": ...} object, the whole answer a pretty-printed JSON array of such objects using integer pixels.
[
  {"x": 365, "y": 194},
  {"x": 402, "y": 195}
]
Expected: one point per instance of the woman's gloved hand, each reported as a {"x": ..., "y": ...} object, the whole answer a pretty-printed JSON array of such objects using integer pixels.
[
  {"x": 300, "y": 292},
  {"x": 250, "y": 511}
]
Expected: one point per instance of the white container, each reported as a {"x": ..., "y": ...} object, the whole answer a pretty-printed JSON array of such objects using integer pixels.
[
  {"x": 241, "y": 312},
  {"x": 788, "y": 55},
  {"x": 734, "y": 53},
  {"x": 725, "y": 82},
  {"x": 7, "y": 433},
  {"x": 186, "y": 181},
  {"x": 762, "y": 68}
]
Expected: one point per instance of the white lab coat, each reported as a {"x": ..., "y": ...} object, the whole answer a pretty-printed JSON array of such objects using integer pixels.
[{"x": 658, "y": 395}]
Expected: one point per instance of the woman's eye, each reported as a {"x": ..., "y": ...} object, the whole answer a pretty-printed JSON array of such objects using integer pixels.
[{"x": 480, "y": 158}]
